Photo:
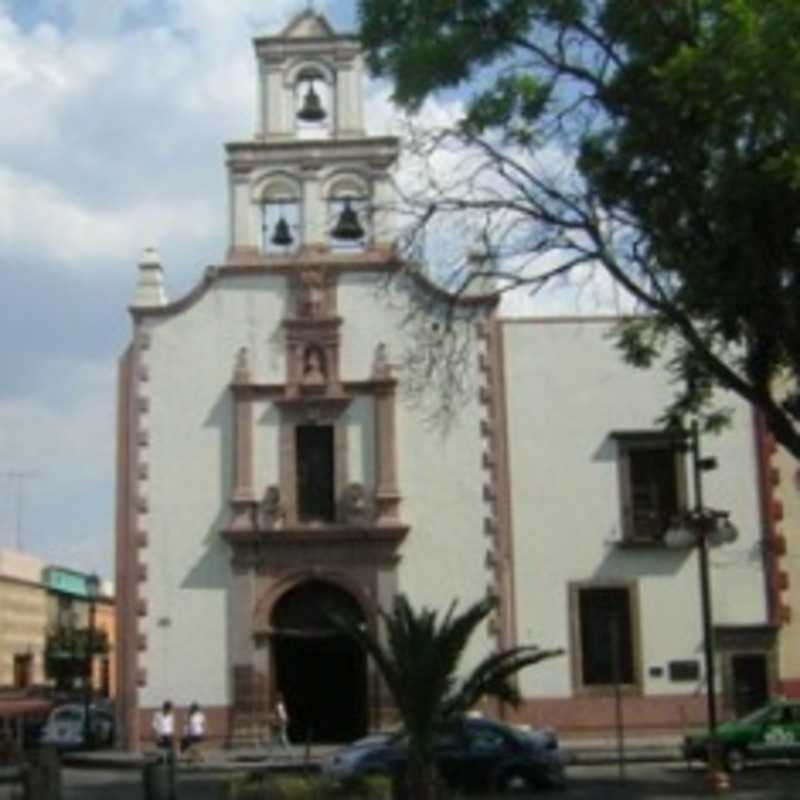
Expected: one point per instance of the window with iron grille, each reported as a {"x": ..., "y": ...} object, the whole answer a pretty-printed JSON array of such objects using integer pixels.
[{"x": 652, "y": 484}]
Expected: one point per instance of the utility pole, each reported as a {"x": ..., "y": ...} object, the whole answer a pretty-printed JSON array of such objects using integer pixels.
[{"x": 18, "y": 477}]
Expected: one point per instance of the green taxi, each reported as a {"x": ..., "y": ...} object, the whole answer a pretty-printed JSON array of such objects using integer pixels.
[{"x": 770, "y": 732}]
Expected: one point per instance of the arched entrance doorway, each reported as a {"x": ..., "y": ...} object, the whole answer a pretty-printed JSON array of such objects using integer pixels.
[{"x": 321, "y": 673}]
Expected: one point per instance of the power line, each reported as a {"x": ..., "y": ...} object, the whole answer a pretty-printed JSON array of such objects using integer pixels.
[{"x": 18, "y": 477}]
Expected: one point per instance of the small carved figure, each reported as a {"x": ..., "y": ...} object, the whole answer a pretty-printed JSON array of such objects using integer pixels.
[
  {"x": 271, "y": 511},
  {"x": 380, "y": 362},
  {"x": 312, "y": 295},
  {"x": 354, "y": 508},
  {"x": 313, "y": 367},
  {"x": 241, "y": 370}
]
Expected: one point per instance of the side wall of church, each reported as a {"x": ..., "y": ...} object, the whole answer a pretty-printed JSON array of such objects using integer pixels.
[{"x": 568, "y": 390}]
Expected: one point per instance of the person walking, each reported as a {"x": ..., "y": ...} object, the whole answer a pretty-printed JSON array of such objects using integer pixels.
[
  {"x": 281, "y": 721},
  {"x": 164, "y": 727},
  {"x": 194, "y": 732}
]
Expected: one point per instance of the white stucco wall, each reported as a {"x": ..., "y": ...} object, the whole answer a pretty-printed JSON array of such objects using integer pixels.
[
  {"x": 568, "y": 389},
  {"x": 439, "y": 472},
  {"x": 190, "y": 362}
]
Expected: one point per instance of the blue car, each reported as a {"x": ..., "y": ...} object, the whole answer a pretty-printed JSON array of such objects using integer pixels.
[{"x": 473, "y": 754}]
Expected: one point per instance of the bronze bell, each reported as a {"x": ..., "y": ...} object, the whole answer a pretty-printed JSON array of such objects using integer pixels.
[
  {"x": 282, "y": 236},
  {"x": 312, "y": 110},
  {"x": 348, "y": 227}
]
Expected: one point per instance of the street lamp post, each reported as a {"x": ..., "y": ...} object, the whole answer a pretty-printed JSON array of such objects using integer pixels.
[
  {"x": 92, "y": 591},
  {"x": 702, "y": 528}
]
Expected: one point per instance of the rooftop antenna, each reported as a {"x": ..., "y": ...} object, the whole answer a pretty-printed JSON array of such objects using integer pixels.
[{"x": 18, "y": 477}]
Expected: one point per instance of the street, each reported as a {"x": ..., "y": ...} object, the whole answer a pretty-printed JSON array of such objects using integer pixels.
[{"x": 653, "y": 781}]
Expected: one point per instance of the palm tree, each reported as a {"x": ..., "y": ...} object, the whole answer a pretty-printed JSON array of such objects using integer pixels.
[{"x": 419, "y": 663}]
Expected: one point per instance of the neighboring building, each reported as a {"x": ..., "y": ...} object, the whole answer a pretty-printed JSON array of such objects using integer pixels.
[
  {"x": 76, "y": 625},
  {"x": 275, "y": 460},
  {"x": 23, "y": 621}
]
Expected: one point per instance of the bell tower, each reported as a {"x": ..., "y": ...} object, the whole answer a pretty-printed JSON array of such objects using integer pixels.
[{"x": 310, "y": 182}]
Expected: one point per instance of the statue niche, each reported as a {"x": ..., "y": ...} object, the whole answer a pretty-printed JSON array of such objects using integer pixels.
[{"x": 314, "y": 372}]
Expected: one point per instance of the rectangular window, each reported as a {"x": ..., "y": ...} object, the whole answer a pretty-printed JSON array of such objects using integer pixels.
[
  {"x": 23, "y": 670},
  {"x": 315, "y": 473},
  {"x": 604, "y": 636},
  {"x": 652, "y": 484}
]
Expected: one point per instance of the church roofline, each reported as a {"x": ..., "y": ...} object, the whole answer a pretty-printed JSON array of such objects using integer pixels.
[
  {"x": 368, "y": 261},
  {"x": 307, "y": 26}
]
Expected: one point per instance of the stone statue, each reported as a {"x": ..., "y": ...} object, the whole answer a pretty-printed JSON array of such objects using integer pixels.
[
  {"x": 354, "y": 506},
  {"x": 380, "y": 362},
  {"x": 313, "y": 367},
  {"x": 312, "y": 295},
  {"x": 271, "y": 513}
]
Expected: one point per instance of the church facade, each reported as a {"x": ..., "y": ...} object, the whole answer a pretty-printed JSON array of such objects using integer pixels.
[{"x": 280, "y": 455}]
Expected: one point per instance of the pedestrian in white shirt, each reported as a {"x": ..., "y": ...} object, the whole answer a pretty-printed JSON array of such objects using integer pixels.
[
  {"x": 195, "y": 728},
  {"x": 164, "y": 726}
]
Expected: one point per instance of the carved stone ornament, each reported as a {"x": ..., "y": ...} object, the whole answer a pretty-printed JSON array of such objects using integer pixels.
[
  {"x": 380, "y": 362},
  {"x": 311, "y": 299},
  {"x": 271, "y": 511},
  {"x": 241, "y": 370},
  {"x": 354, "y": 506}
]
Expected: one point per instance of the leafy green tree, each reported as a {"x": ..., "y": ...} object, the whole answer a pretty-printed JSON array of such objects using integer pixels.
[
  {"x": 419, "y": 659},
  {"x": 655, "y": 140}
]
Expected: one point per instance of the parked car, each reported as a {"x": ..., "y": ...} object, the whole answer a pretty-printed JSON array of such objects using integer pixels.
[
  {"x": 770, "y": 732},
  {"x": 473, "y": 754},
  {"x": 65, "y": 727}
]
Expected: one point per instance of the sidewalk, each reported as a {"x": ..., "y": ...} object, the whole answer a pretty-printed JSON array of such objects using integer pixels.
[
  {"x": 634, "y": 750},
  {"x": 663, "y": 749}
]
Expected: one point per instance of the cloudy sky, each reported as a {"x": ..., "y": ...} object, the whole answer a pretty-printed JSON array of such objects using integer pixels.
[{"x": 114, "y": 117}]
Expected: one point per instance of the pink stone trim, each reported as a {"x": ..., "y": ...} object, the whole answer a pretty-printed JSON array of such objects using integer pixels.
[
  {"x": 497, "y": 489},
  {"x": 142, "y": 573},
  {"x": 128, "y": 539},
  {"x": 595, "y": 716},
  {"x": 265, "y": 605},
  {"x": 243, "y": 494},
  {"x": 141, "y": 642},
  {"x": 141, "y": 679},
  {"x": 141, "y": 539},
  {"x": 771, "y": 514},
  {"x": 141, "y": 607},
  {"x": 143, "y": 438}
]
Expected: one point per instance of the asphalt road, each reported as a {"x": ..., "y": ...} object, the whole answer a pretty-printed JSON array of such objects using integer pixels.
[{"x": 653, "y": 781}]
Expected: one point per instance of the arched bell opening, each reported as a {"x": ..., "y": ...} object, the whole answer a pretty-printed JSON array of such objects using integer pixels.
[
  {"x": 348, "y": 222},
  {"x": 320, "y": 672},
  {"x": 313, "y": 103},
  {"x": 280, "y": 225}
]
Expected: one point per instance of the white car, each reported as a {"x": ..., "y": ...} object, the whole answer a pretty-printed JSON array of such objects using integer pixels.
[{"x": 65, "y": 727}]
